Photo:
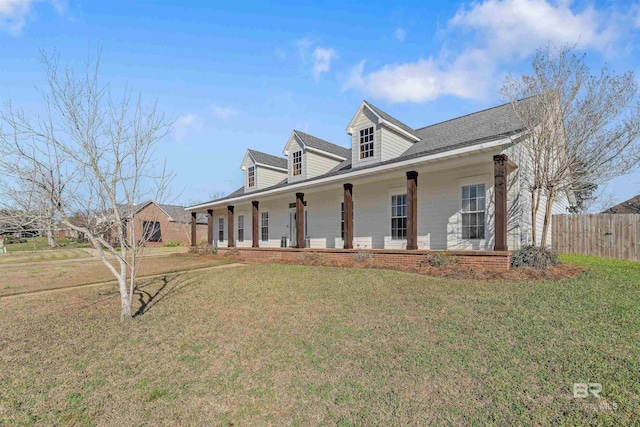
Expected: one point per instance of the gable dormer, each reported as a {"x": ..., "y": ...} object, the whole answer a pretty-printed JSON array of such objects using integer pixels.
[
  {"x": 262, "y": 170},
  {"x": 376, "y": 136},
  {"x": 308, "y": 156}
]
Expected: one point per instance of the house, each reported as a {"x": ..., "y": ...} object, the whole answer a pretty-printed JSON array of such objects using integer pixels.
[
  {"x": 158, "y": 224},
  {"x": 631, "y": 206},
  {"x": 458, "y": 185}
]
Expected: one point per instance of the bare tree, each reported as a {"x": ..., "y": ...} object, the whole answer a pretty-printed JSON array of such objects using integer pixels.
[
  {"x": 90, "y": 155},
  {"x": 26, "y": 202},
  {"x": 582, "y": 129}
]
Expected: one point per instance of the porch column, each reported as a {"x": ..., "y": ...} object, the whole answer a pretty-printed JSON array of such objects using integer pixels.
[
  {"x": 231, "y": 240},
  {"x": 300, "y": 220},
  {"x": 210, "y": 226},
  {"x": 500, "y": 194},
  {"x": 348, "y": 216},
  {"x": 193, "y": 229},
  {"x": 412, "y": 210},
  {"x": 256, "y": 228}
]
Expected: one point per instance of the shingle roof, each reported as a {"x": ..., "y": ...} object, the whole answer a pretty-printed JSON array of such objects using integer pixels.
[
  {"x": 268, "y": 159},
  {"x": 391, "y": 119},
  {"x": 175, "y": 212},
  {"x": 490, "y": 124},
  {"x": 631, "y": 206},
  {"x": 321, "y": 144}
]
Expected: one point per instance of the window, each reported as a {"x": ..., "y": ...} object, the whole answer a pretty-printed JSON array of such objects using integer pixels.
[
  {"x": 366, "y": 143},
  {"x": 297, "y": 163},
  {"x": 151, "y": 231},
  {"x": 240, "y": 228},
  {"x": 473, "y": 209},
  {"x": 342, "y": 219},
  {"x": 221, "y": 229},
  {"x": 399, "y": 217},
  {"x": 265, "y": 226},
  {"x": 252, "y": 176}
]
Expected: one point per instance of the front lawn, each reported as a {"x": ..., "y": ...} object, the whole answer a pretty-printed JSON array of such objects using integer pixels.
[
  {"x": 23, "y": 278},
  {"x": 40, "y": 243},
  {"x": 293, "y": 345}
]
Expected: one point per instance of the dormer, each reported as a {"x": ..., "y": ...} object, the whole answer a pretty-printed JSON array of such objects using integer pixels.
[
  {"x": 377, "y": 137},
  {"x": 262, "y": 170},
  {"x": 309, "y": 156}
]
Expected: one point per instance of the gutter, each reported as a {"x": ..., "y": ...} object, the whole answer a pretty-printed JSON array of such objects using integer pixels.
[{"x": 357, "y": 173}]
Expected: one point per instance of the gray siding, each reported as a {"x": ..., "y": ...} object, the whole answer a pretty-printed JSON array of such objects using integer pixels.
[
  {"x": 364, "y": 120},
  {"x": 318, "y": 164},
  {"x": 393, "y": 144}
]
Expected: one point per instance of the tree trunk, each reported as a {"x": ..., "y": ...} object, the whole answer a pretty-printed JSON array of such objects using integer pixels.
[
  {"x": 547, "y": 217},
  {"x": 125, "y": 296},
  {"x": 535, "y": 204},
  {"x": 51, "y": 239}
]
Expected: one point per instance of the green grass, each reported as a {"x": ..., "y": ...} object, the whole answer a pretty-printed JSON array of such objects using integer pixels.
[
  {"x": 292, "y": 345},
  {"x": 40, "y": 243},
  {"x": 24, "y": 257}
]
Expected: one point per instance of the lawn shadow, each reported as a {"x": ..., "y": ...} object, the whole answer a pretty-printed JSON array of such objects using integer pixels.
[{"x": 170, "y": 285}]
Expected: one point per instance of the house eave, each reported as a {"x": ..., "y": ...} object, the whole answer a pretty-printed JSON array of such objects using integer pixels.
[{"x": 360, "y": 172}]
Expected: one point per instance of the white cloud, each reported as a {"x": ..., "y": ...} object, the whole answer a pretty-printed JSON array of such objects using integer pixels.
[
  {"x": 502, "y": 32},
  {"x": 14, "y": 13},
  {"x": 400, "y": 34},
  {"x": 184, "y": 125},
  {"x": 520, "y": 26},
  {"x": 322, "y": 58},
  {"x": 223, "y": 113}
]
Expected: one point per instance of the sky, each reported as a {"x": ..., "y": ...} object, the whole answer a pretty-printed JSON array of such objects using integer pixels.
[{"x": 238, "y": 75}]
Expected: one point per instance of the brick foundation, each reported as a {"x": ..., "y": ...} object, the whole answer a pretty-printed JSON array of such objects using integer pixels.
[{"x": 380, "y": 258}]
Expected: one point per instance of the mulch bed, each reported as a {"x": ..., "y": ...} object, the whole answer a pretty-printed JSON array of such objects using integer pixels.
[{"x": 452, "y": 271}]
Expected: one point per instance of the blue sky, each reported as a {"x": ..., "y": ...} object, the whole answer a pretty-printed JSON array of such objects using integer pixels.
[{"x": 238, "y": 75}]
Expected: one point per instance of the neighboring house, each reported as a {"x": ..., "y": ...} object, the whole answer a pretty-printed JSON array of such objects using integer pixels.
[
  {"x": 631, "y": 206},
  {"x": 456, "y": 185},
  {"x": 158, "y": 224}
]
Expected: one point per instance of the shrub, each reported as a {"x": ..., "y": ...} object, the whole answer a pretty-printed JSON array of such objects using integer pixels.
[
  {"x": 363, "y": 256},
  {"x": 534, "y": 256},
  {"x": 310, "y": 258},
  {"x": 438, "y": 260},
  {"x": 173, "y": 243},
  {"x": 232, "y": 252}
]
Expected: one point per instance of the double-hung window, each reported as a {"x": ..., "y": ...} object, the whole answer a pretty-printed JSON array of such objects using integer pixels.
[
  {"x": 220, "y": 229},
  {"x": 251, "y": 173},
  {"x": 264, "y": 216},
  {"x": 297, "y": 163},
  {"x": 366, "y": 143},
  {"x": 399, "y": 217},
  {"x": 240, "y": 228},
  {"x": 473, "y": 211}
]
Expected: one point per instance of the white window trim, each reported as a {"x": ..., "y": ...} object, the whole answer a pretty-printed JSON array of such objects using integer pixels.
[
  {"x": 255, "y": 176},
  {"x": 488, "y": 194},
  {"x": 394, "y": 192},
  {"x": 293, "y": 163},
  {"x": 224, "y": 228},
  {"x": 268, "y": 225},
  {"x": 359, "y": 145},
  {"x": 237, "y": 224}
]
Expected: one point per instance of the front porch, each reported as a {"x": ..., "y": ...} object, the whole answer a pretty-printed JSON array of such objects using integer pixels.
[{"x": 398, "y": 211}]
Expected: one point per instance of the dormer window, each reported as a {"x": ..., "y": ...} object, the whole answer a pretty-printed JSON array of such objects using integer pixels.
[
  {"x": 251, "y": 172},
  {"x": 297, "y": 163},
  {"x": 366, "y": 143}
]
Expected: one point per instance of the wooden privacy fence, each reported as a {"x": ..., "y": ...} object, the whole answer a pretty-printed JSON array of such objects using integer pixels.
[{"x": 603, "y": 235}]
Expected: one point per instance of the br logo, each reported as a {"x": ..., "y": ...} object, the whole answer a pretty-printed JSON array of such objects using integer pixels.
[{"x": 582, "y": 390}]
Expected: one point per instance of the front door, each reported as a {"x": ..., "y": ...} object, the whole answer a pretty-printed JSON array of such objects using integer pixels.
[{"x": 292, "y": 227}]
